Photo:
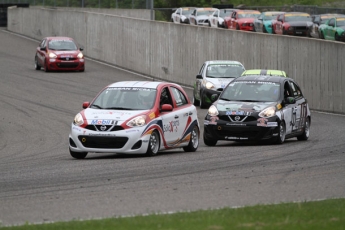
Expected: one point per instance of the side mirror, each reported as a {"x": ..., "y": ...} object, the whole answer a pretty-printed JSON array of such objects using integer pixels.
[
  {"x": 166, "y": 108},
  {"x": 81, "y": 48},
  {"x": 86, "y": 104},
  {"x": 43, "y": 48},
  {"x": 198, "y": 76},
  {"x": 290, "y": 100},
  {"x": 214, "y": 97}
]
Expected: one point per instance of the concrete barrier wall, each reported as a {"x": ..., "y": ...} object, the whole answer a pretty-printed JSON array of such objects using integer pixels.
[{"x": 171, "y": 52}]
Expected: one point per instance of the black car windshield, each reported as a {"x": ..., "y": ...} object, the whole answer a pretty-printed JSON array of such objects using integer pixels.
[
  {"x": 125, "y": 98},
  {"x": 61, "y": 45},
  {"x": 264, "y": 91},
  {"x": 224, "y": 70}
]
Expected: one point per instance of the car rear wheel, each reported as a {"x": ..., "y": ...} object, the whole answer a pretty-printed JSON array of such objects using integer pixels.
[
  {"x": 281, "y": 134},
  {"x": 264, "y": 29},
  {"x": 322, "y": 36},
  {"x": 193, "y": 141},
  {"x": 209, "y": 141},
  {"x": 237, "y": 27},
  {"x": 153, "y": 147},
  {"x": 37, "y": 66},
  {"x": 336, "y": 37},
  {"x": 305, "y": 135},
  {"x": 78, "y": 155}
]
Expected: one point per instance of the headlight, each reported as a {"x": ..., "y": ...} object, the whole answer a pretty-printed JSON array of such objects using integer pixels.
[
  {"x": 213, "y": 111},
  {"x": 137, "y": 121},
  {"x": 268, "y": 112},
  {"x": 80, "y": 55},
  {"x": 78, "y": 120},
  {"x": 209, "y": 85},
  {"x": 52, "y": 55}
]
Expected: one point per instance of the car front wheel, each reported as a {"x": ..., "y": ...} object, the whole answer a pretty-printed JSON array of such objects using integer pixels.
[
  {"x": 305, "y": 135},
  {"x": 209, "y": 141},
  {"x": 202, "y": 103},
  {"x": 193, "y": 141},
  {"x": 281, "y": 134},
  {"x": 78, "y": 155},
  {"x": 153, "y": 147},
  {"x": 37, "y": 66}
]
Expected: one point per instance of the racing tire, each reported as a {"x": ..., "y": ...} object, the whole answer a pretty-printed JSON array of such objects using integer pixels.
[
  {"x": 201, "y": 102},
  {"x": 209, "y": 24},
  {"x": 153, "y": 146},
  {"x": 264, "y": 30},
  {"x": 194, "y": 140},
  {"x": 46, "y": 69},
  {"x": 284, "y": 32},
  {"x": 322, "y": 36},
  {"x": 195, "y": 101},
  {"x": 282, "y": 132},
  {"x": 209, "y": 142},
  {"x": 37, "y": 66},
  {"x": 336, "y": 37},
  {"x": 305, "y": 135},
  {"x": 237, "y": 27},
  {"x": 78, "y": 155}
]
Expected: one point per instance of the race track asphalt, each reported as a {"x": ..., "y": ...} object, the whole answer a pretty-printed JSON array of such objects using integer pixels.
[{"x": 41, "y": 182}]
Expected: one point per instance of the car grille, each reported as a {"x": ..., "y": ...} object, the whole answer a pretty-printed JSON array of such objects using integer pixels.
[
  {"x": 67, "y": 58},
  {"x": 108, "y": 128},
  {"x": 102, "y": 142},
  {"x": 227, "y": 118},
  {"x": 67, "y": 64},
  {"x": 237, "y": 133}
]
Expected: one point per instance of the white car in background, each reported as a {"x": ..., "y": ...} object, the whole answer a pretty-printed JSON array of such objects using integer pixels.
[
  {"x": 200, "y": 16},
  {"x": 216, "y": 19},
  {"x": 181, "y": 15}
]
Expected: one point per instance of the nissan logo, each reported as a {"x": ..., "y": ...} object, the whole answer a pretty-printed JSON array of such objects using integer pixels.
[
  {"x": 103, "y": 127},
  {"x": 237, "y": 118}
]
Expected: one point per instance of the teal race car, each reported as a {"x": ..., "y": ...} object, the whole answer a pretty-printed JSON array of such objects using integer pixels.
[
  {"x": 263, "y": 23},
  {"x": 333, "y": 29}
]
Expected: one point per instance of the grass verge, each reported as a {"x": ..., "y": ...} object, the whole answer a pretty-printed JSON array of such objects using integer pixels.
[{"x": 326, "y": 214}]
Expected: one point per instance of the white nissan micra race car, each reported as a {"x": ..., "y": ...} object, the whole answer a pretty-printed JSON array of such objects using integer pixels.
[{"x": 135, "y": 117}]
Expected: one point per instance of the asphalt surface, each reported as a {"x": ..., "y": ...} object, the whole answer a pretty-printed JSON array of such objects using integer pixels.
[{"x": 41, "y": 182}]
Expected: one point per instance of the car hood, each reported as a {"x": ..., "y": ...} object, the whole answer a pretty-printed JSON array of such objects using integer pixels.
[
  {"x": 101, "y": 116},
  {"x": 300, "y": 23},
  {"x": 220, "y": 82},
  {"x": 341, "y": 27},
  {"x": 243, "y": 106},
  {"x": 66, "y": 52},
  {"x": 202, "y": 17},
  {"x": 245, "y": 20}
]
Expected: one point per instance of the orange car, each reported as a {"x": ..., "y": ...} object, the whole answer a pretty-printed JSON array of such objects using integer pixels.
[{"x": 242, "y": 20}]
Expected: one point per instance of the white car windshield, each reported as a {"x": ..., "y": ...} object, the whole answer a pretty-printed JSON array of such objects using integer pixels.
[
  {"x": 224, "y": 71},
  {"x": 264, "y": 91},
  {"x": 125, "y": 98}
]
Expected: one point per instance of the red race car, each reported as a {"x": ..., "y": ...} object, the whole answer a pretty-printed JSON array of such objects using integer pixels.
[
  {"x": 292, "y": 23},
  {"x": 242, "y": 20},
  {"x": 59, "y": 54}
]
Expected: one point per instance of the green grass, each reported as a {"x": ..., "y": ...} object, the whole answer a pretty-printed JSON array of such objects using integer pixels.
[{"x": 326, "y": 214}]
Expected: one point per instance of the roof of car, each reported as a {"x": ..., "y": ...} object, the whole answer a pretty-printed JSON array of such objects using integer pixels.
[
  {"x": 272, "y": 72},
  {"x": 223, "y": 62},
  {"x": 59, "y": 38},
  {"x": 138, "y": 84},
  {"x": 261, "y": 78}
]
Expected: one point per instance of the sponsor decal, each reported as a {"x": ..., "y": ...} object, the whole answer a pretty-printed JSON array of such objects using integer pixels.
[
  {"x": 77, "y": 128},
  {"x": 279, "y": 106},
  {"x": 171, "y": 126},
  {"x": 102, "y": 122},
  {"x": 236, "y": 138},
  {"x": 236, "y": 112},
  {"x": 213, "y": 120},
  {"x": 152, "y": 115},
  {"x": 236, "y": 124},
  {"x": 262, "y": 122},
  {"x": 132, "y": 131},
  {"x": 102, "y": 134},
  {"x": 272, "y": 124}
]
